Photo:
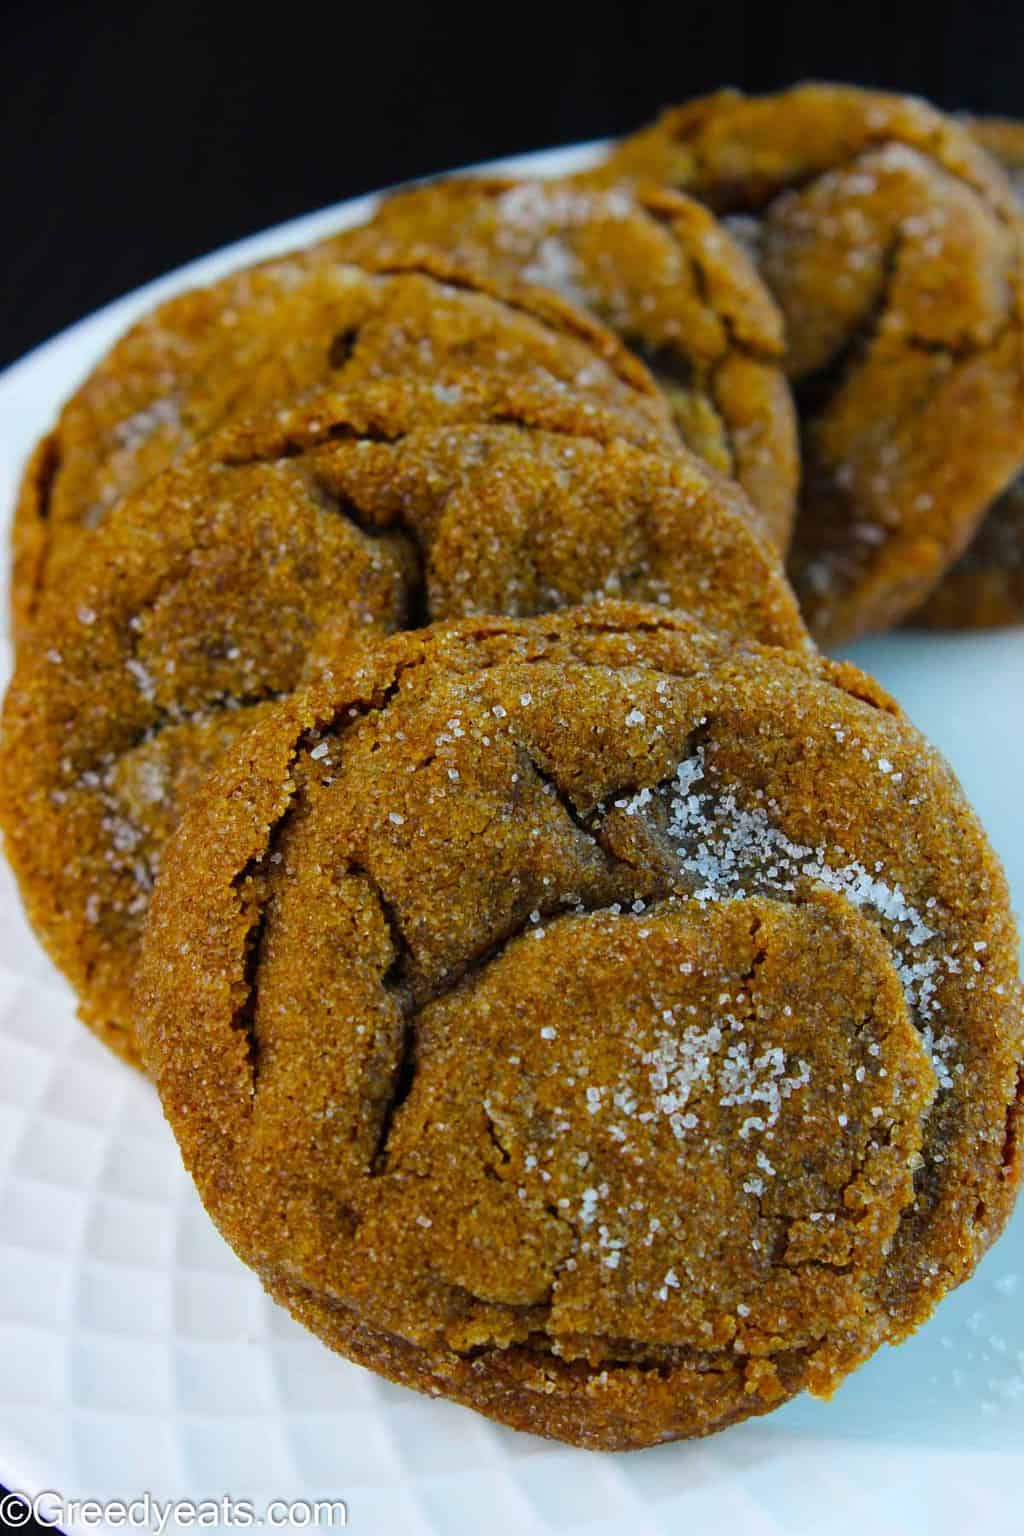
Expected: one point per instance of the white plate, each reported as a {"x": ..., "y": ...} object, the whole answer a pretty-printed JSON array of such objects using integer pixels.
[{"x": 137, "y": 1354}]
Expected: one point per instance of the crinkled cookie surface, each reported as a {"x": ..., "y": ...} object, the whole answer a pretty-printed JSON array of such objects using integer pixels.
[
  {"x": 893, "y": 247},
  {"x": 283, "y": 332},
  {"x": 213, "y": 589},
  {"x": 655, "y": 267},
  {"x": 603, "y": 1024}
]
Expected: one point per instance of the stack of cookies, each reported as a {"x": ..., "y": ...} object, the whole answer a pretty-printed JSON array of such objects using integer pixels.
[{"x": 572, "y": 993}]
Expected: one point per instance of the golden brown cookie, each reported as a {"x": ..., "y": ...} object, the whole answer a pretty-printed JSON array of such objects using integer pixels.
[
  {"x": 893, "y": 247},
  {"x": 611, "y": 1027},
  {"x": 274, "y": 333},
  {"x": 1003, "y": 138},
  {"x": 206, "y": 594},
  {"x": 661, "y": 272},
  {"x": 985, "y": 588}
]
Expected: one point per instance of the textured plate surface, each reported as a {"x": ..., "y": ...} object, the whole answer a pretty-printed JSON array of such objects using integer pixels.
[{"x": 137, "y": 1354}]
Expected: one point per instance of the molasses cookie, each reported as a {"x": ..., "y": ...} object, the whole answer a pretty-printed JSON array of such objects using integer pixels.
[
  {"x": 210, "y": 591},
  {"x": 611, "y": 1028},
  {"x": 985, "y": 587},
  {"x": 273, "y": 333},
  {"x": 893, "y": 247},
  {"x": 1003, "y": 138},
  {"x": 661, "y": 272}
]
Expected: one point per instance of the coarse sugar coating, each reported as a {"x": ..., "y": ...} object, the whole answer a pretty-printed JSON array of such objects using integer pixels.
[
  {"x": 893, "y": 247},
  {"x": 985, "y": 588},
  {"x": 273, "y": 334},
  {"x": 660, "y": 271},
  {"x": 609, "y": 1026},
  {"x": 214, "y": 588}
]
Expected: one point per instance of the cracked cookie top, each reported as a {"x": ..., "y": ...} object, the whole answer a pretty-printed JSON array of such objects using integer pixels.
[
  {"x": 308, "y": 322},
  {"x": 215, "y": 587},
  {"x": 612, "y": 1028},
  {"x": 985, "y": 588},
  {"x": 655, "y": 267},
  {"x": 893, "y": 247}
]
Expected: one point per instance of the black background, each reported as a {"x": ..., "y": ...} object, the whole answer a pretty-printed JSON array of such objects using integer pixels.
[{"x": 138, "y": 135}]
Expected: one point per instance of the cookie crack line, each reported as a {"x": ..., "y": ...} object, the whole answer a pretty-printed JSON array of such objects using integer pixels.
[
  {"x": 869, "y": 330},
  {"x": 757, "y": 351},
  {"x": 404, "y": 1072},
  {"x": 243, "y": 1020},
  {"x": 861, "y": 556},
  {"x": 394, "y": 980},
  {"x": 540, "y": 305},
  {"x": 47, "y": 473},
  {"x": 820, "y": 387},
  {"x": 291, "y": 445},
  {"x": 1001, "y": 208},
  {"x": 308, "y": 440},
  {"x": 258, "y": 868},
  {"x": 169, "y": 716},
  {"x": 676, "y": 1356},
  {"x": 256, "y": 874},
  {"x": 458, "y": 976},
  {"x": 557, "y": 792}
]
